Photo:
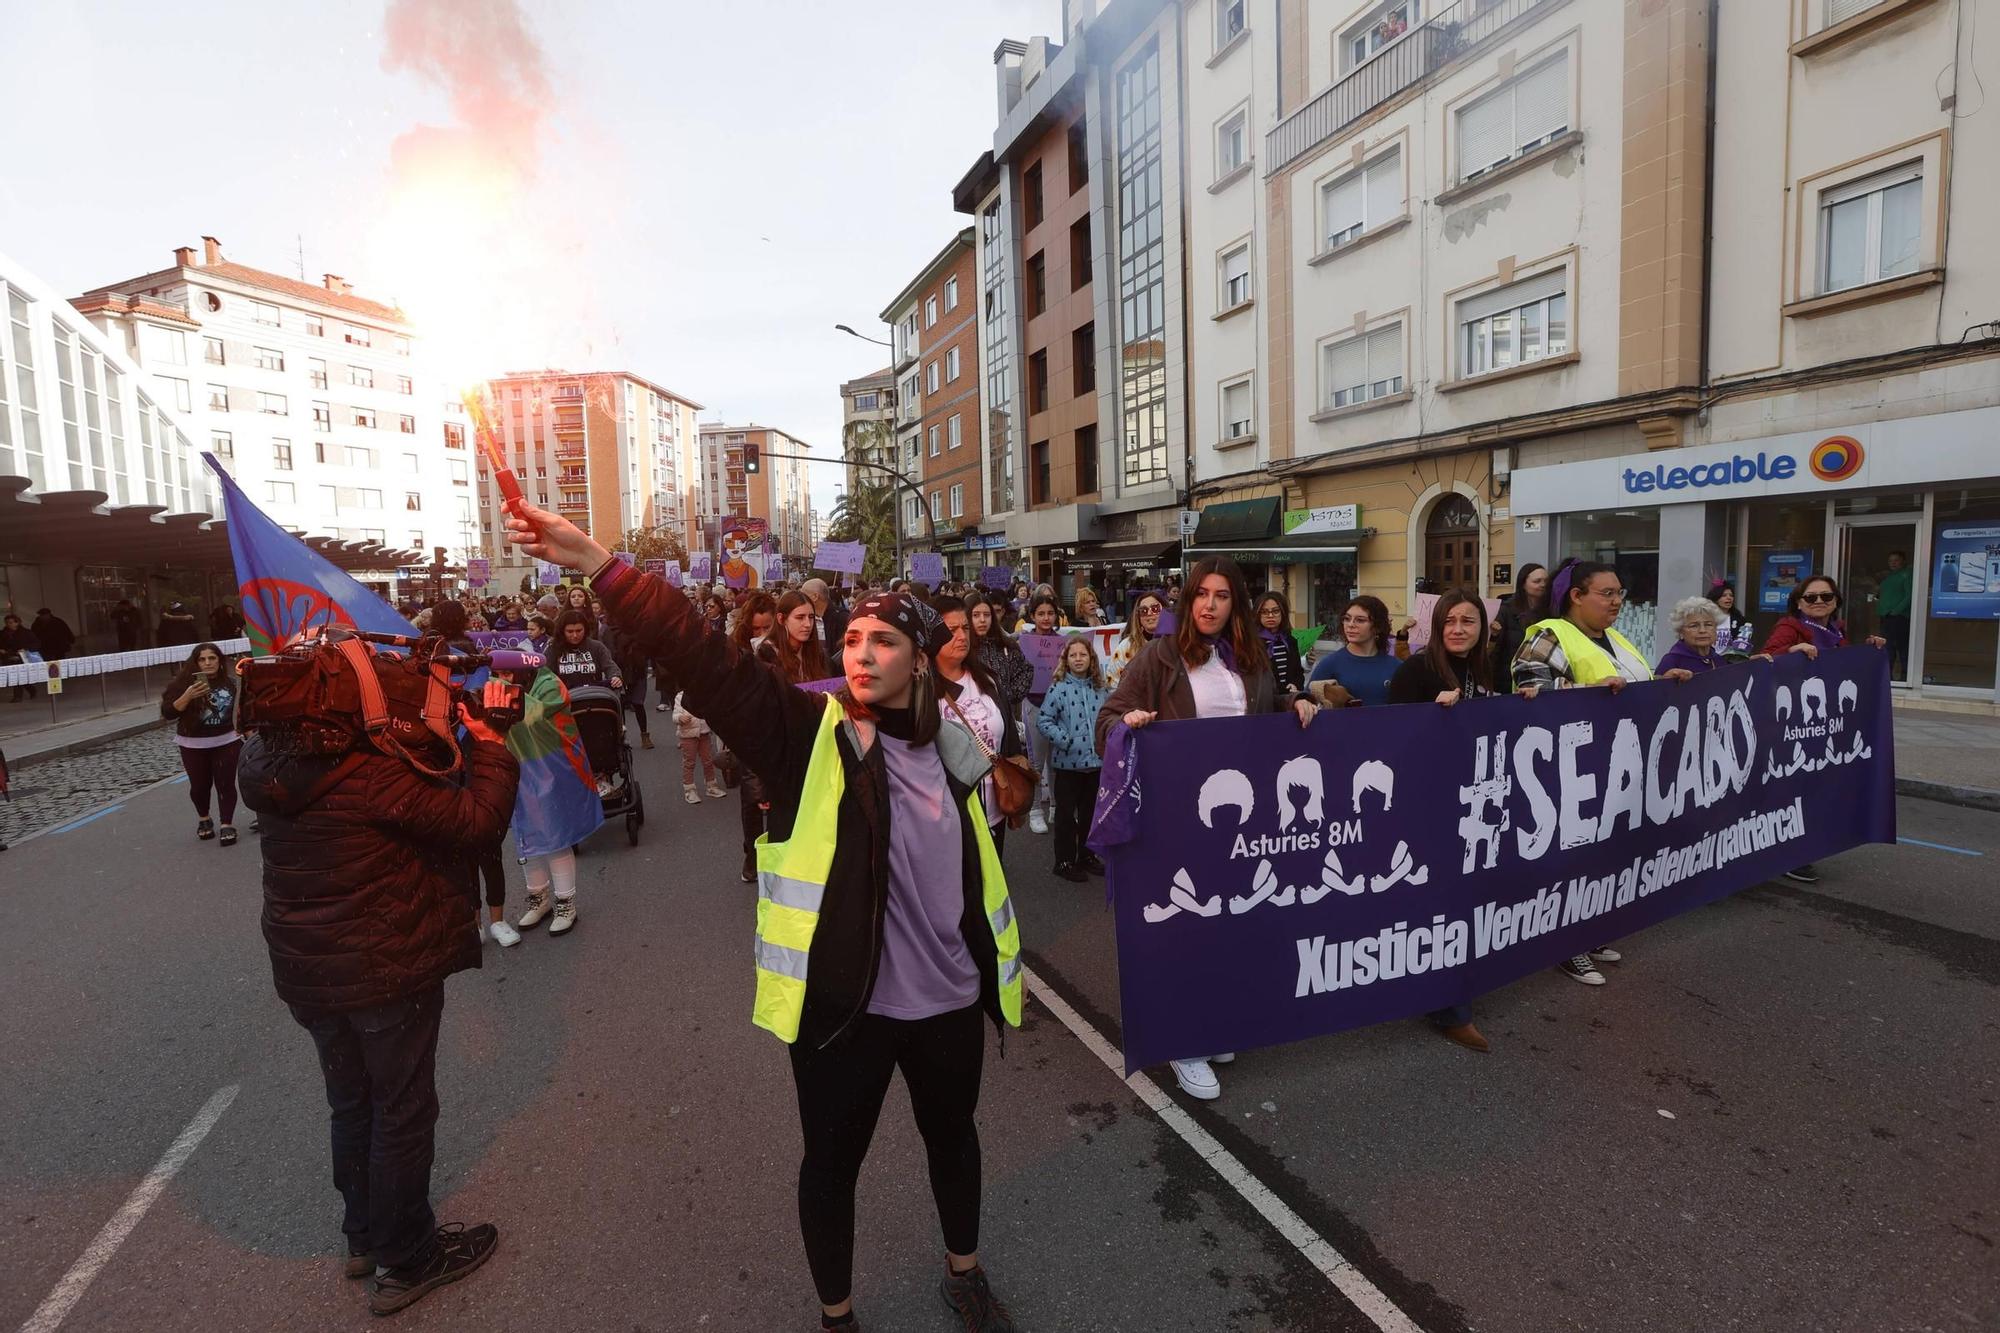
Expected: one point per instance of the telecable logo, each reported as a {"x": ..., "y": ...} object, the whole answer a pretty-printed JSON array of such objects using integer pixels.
[{"x": 1726, "y": 472}]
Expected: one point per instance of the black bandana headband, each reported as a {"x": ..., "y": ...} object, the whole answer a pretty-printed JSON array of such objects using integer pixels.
[{"x": 904, "y": 612}]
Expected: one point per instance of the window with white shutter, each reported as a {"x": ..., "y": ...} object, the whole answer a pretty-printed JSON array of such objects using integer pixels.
[
  {"x": 1237, "y": 420},
  {"x": 1356, "y": 370},
  {"x": 1236, "y": 277},
  {"x": 1530, "y": 110},
  {"x": 1512, "y": 325},
  {"x": 1838, "y": 11},
  {"x": 1362, "y": 199}
]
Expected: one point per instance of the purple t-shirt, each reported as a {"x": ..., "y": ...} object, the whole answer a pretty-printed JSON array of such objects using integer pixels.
[{"x": 926, "y": 968}]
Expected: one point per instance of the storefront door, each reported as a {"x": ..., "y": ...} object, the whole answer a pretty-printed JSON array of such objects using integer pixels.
[{"x": 1877, "y": 578}]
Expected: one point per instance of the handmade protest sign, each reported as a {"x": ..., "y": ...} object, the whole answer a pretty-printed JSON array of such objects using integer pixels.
[
  {"x": 927, "y": 568},
  {"x": 547, "y": 575},
  {"x": 1271, "y": 883},
  {"x": 1044, "y": 653},
  {"x": 996, "y": 576},
  {"x": 699, "y": 567},
  {"x": 671, "y": 572},
  {"x": 478, "y": 571},
  {"x": 840, "y": 557},
  {"x": 654, "y": 565}
]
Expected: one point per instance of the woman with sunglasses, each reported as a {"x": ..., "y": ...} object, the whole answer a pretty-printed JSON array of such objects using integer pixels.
[
  {"x": 1578, "y": 646},
  {"x": 1812, "y": 625},
  {"x": 1140, "y": 627}
]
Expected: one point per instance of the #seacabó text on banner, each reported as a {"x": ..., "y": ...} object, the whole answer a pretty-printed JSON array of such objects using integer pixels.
[{"x": 1386, "y": 862}]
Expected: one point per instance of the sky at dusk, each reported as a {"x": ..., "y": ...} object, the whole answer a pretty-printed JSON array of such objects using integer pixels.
[{"x": 696, "y": 192}]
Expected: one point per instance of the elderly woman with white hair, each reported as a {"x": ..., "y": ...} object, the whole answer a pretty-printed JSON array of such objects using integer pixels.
[{"x": 1694, "y": 621}]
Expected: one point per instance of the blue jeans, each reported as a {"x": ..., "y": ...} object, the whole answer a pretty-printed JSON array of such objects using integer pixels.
[{"x": 380, "y": 1066}]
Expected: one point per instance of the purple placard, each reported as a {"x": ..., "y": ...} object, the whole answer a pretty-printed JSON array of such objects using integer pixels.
[
  {"x": 840, "y": 557},
  {"x": 927, "y": 568},
  {"x": 1277, "y": 884},
  {"x": 774, "y": 565},
  {"x": 625, "y": 558},
  {"x": 654, "y": 565},
  {"x": 1044, "y": 653},
  {"x": 672, "y": 572},
  {"x": 826, "y": 686},
  {"x": 699, "y": 569},
  {"x": 997, "y": 577}
]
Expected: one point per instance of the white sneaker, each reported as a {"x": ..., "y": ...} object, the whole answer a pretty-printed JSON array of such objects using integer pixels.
[
  {"x": 1606, "y": 956},
  {"x": 715, "y": 788},
  {"x": 663, "y": 708},
  {"x": 538, "y": 907},
  {"x": 502, "y": 934},
  {"x": 1197, "y": 1079},
  {"x": 689, "y": 794},
  {"x": 1036, "y": 824},
  {"x": 1223, "y": 1059},
  {"x": 565, "y": 916}
]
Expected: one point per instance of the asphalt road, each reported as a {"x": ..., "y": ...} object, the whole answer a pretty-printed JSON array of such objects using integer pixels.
[{"x": 1827, "y": 1057}]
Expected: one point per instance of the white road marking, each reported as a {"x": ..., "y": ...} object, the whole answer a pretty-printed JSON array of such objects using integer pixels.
[
  {"x": 81, "y": 1273},
  {"x": 1339, "y": 1270}
]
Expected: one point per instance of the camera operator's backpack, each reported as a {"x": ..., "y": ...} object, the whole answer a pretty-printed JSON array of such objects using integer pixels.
[{"x": 324, "y": 695}]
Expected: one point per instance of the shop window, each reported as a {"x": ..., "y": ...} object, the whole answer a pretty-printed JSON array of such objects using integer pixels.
[{"x": 1960, "y": 635}]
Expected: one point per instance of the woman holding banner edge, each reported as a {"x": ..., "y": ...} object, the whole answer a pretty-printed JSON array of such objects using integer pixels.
[
  {"x": 864, "y": 966},
  {"x": 1578, "y": 646},
  {"x": 1212, "y": 665}
]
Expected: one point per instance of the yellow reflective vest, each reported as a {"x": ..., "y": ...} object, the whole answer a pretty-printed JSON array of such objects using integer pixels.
[
  {"x": 792, "y": 875},
  {"x": 1588, "y": 663}
]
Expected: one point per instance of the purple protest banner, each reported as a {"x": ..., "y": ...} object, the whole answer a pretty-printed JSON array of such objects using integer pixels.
[
  {"x": 1271, "y": 884},
  {"x": 997, "y": 577},
  {"x": 840, "y": 557},
  {"x": 927, "y": 568},
  {"x": 671, "y": 572},
  {"x": 1044, "y": 653},
  {"x": 699, "y": 568},
  {"x": 827, "y": 686},
  {"x": 486, "y": 640}
]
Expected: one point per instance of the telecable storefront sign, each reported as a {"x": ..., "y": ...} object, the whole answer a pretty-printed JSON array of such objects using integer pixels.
[{"x": 1912, "y": 451}]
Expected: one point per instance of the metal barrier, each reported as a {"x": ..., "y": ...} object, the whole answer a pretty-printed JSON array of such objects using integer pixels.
[{"x": 77, "y": 688}]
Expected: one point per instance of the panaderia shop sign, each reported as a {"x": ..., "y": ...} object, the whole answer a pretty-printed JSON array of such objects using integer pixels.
[{"x": 1942, "y": 447}]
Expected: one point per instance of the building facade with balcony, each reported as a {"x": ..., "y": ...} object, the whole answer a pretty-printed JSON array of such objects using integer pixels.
[
  {"x": 1470, "y": 228},
  {"x": 1089, "y": 178},
  {"x": 868, "y": 426},
  {"x": 948, "y": 470},
  {"x": 982, "y": 194},
  {"x": 1849, "y": 421},
  {"x": 609, "y": 450},
  {"x": 780, "y": 493},
  {"x": 317, "y": 401},
  {"x": 905, "y": 338}
]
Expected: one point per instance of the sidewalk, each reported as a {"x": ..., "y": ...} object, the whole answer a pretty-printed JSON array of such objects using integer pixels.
[
  {"x": 1948, "y": 757},
  {"x": 25, "y": 745}
]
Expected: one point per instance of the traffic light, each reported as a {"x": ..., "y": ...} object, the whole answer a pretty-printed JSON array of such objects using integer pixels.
[{"x": 751, "y": 462}]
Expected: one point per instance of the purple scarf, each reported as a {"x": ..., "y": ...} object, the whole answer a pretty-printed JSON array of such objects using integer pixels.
[
  {"x": 1825, "y": 637},
  {"x": 1223, "y": 647},
  {"x": 1687, "y": 659}
]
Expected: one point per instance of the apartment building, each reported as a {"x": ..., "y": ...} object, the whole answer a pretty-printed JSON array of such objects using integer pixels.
[
  {"x": 948, "y": 466},
  {"x": 905, "y": 339},
  {"x": 608, "y": 450},
  {"x": 868, "y": 426},
  {"x": 779, "y": 496},
  {"x": 317, "y": 400},
  {"x": 1087, "y": 154},
  {"x": 1463, "y": 229},
  {"x": 997, "y": 294},
  {"x": 1849, "y": 421}
]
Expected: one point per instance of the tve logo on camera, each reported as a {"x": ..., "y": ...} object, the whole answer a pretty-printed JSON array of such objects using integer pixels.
[{"x": 1835, "y": 458}]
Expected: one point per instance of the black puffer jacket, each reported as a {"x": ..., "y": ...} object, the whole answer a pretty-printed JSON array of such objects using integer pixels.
[
  {"x": 369, "y": 876},
  {"x": 772, "y": 727}
]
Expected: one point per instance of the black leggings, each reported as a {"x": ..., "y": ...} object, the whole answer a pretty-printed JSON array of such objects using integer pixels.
[
  {"x": 494, "y": 873},
  {"x": 840, "y": 1095},
  {"x": 1076, "y": 792},
  {"x": 213, "y": 769}
]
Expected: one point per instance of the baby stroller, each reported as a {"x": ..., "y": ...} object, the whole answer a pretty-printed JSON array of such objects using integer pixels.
[{"x": 600, "y": 720}]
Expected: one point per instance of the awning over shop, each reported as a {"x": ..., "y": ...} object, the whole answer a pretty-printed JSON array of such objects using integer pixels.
[
  {"x": 1148, "y": 554},
  {"x": 1237, "y": 521},
  {"x": 75, "y": 527},
  {"x": 1319, "y": 549}
]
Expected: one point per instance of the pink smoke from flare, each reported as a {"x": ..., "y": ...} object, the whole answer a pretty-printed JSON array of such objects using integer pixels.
[{"x": 473, "y": 241}]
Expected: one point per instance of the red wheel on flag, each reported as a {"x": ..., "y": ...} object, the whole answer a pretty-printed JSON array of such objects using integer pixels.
[{"x": 274, "y": 610}]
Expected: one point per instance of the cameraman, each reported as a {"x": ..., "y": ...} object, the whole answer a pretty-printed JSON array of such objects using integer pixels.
[{"x": 369, "y": 904}]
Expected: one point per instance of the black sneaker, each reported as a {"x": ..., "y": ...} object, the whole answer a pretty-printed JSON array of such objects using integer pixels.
[
  {"x": 968, "y": 1297},
  {"x": 1804, "y": 874},
  {"x": 1091, "y": 864},
  {"x": 456, "y": 1250},
  {"x": 749, "y": 867},
  {"x": 1074, "y": 874},
  {"x": 1580, "y": 968}
]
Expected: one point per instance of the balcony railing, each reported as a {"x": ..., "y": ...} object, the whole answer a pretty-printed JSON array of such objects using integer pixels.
[
  {"x": 1410, "y": 60},
  {"x": 570, "y": 504}
]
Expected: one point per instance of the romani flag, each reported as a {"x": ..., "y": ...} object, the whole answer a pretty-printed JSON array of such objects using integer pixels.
[{"x": 285, "y": 586}]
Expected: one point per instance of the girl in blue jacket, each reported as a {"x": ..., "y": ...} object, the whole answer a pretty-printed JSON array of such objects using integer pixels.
[{"x": 1068, "y": 718}]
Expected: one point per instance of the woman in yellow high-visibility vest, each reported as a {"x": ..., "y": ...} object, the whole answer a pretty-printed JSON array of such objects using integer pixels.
[
  {"x": 1578, "y": 646},
  {"x": 868, "y": 959}
]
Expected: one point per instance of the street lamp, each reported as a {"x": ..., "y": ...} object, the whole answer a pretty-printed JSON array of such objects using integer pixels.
[{"x": 864, "y": 337}]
